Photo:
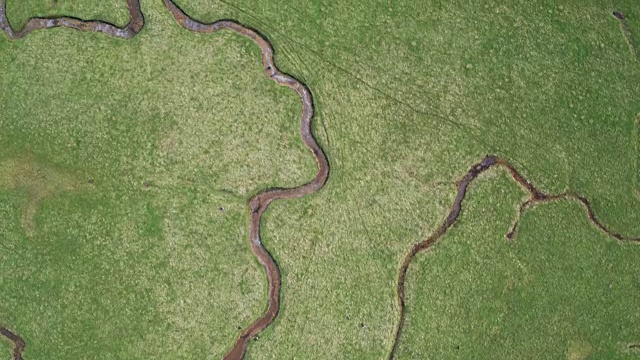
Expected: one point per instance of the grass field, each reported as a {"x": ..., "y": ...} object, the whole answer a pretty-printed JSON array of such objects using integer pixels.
[{"x": 126, "y": 166}]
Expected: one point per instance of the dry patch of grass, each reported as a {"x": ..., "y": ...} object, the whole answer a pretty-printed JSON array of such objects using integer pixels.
[{"x": 39, "y": 181}]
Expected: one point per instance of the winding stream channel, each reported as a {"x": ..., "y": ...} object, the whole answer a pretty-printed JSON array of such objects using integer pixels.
[
  {"x": 536, "y": 197},
  {"x": 259, "y": 203}
]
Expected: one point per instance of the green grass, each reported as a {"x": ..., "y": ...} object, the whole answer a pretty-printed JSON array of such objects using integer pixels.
[
  {"x": 144, "y": 264},
  {"x": 172, "y": 126},
  {"x": 40, "y": 182},
  {"x": 538, "y": 297},
  {"x": 637, "y": 139}
]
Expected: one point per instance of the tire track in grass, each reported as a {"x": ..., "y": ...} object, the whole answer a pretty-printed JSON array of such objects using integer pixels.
[
  {"x": 136, "y": 23},
  {"x": 259, "y": 203}
]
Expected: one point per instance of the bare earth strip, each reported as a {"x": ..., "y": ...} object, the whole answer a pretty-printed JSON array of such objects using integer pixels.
[
  {"x": 258, "y": 203},
  {"x": 536, "y": 197}
]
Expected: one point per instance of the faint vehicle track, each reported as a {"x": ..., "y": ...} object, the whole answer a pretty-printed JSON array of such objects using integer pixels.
[
  {"x": 259, "y": 203},
  {"x": 536, "y": 197},
  {"x": 636, "y": 135},
  {"x": 136, "y": 22}
]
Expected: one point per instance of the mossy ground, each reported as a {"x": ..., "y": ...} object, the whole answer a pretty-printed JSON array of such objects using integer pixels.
[{"x": 177, "y": 130}]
